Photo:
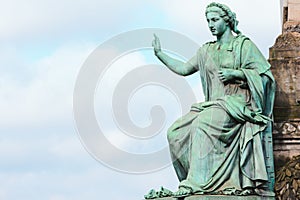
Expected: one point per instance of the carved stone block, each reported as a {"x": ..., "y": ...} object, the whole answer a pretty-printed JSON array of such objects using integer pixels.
[
  {"x": 285, "y": 62},
  {"x": 294, "y": 11},
  {"x": 286, "y": 141}
]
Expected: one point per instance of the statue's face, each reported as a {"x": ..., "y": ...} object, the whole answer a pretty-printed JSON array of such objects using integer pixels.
[{"x": 216, "y": 23}]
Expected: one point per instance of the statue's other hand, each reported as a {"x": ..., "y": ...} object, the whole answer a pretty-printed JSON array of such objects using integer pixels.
[
  {"x": 156, "y": 44},
  {"x": 226, "y": 75}
]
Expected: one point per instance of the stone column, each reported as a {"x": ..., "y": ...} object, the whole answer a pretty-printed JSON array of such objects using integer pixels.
[{"x": 284, "y": 57}]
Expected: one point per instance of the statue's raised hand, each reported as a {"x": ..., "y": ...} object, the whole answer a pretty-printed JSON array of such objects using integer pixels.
[{"x": 156, "y": 44}]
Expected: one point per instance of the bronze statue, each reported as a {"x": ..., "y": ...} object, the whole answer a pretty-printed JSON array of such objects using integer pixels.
[{"x": 217, "y": 147}]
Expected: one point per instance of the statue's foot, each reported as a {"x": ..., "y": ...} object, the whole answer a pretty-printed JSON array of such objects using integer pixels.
[
  {"x": 229, "y": 191},
  {"x": 265, "y": 193},
  {"x": 246, "y": 192},
  {"x": 152, "y": 194},
  {"x": 183, "y": 192},
  {"x": 163, "y": 192}
]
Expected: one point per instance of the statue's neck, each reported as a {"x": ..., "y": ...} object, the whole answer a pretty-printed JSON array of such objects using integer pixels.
[{"x": 226, "y": 37}]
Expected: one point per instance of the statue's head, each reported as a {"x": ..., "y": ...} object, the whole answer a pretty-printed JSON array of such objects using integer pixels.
[{"x": 225, "y": 13}]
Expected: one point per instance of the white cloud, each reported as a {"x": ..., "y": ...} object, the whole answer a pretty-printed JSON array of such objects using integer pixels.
[
  {"x": 47, "y": 96},
  {"x": 138, "y": 98},
  {"x": 92, "y": 183},
  {"x": 45, "y": 161},
  {"x": 42, "y": 19}
]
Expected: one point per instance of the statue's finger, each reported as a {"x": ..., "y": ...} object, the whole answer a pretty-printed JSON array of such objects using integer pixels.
[{"x": 153, "y": 43}]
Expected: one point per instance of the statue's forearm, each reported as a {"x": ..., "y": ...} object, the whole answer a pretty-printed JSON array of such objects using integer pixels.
[
  {"x": 175, "y": 65},
  {"x": 238, "y": 74}
]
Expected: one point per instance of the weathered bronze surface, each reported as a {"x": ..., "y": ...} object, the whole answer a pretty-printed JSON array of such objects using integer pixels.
[{"x": 224, "y": 145}]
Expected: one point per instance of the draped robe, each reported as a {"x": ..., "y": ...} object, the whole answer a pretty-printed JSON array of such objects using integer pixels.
[{"x": 218, "y": 144}]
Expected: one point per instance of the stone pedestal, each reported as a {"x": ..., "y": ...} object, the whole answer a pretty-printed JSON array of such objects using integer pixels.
[{"x": 285, "y": 62}]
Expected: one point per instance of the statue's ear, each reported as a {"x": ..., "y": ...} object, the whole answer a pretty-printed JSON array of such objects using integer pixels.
[{"x": 226, "y": 19}]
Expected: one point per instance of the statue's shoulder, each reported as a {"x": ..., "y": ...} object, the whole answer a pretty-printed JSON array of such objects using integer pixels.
[
  {"x": 242, "y": 37},
  {"x": 208, "y": 43},
  {"x": 242, "y": 41},
  {"x": 204, "y": 47}
]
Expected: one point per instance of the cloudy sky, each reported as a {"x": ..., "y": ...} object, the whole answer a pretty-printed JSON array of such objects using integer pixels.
[{"x": 44, "y": 46}]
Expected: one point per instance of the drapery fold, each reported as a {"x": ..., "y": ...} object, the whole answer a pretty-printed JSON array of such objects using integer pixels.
[{"x": 218, "y": 144}]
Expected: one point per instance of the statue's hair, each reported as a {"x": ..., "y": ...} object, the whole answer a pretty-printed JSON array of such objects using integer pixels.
[{"x": 226, "y": 14}]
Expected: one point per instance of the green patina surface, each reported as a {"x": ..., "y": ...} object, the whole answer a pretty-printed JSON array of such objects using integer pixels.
[{"x": 219, "y": 146}]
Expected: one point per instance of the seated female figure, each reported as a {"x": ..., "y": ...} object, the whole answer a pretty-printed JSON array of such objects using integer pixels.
[{"x": 217, "y": 146}]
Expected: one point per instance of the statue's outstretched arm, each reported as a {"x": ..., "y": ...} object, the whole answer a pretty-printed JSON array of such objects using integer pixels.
[{"x": 177, "y": 66}]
